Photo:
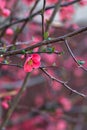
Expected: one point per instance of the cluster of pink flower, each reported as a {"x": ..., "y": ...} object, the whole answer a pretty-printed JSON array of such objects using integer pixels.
[
  {"x": 32, "y": 62},
  {"x": 9, "y": 31},
  {"x": 83, "y": 2},
  {"x": 66, "y": 13},
  {"x": 52, "y": 1},
  {"x": 28, "y": 1},
  {"x": 3, "y": 10},
  {"x": 5, "y": 102}
]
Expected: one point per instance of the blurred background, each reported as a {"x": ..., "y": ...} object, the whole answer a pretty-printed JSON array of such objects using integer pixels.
[{"x": 46, "y": 104}]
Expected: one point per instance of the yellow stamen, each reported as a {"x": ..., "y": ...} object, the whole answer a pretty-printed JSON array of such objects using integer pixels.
[{"x": 30, "y": 62}]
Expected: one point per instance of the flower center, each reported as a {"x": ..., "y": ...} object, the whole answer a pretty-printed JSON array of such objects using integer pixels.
[{"x": 30, "y": 62}]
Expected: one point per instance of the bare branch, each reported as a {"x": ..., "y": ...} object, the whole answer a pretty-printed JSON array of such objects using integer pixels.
[
  {"x": 46, "y": 42},
  {"x": 53, "y": 14},
  {"x": 36, "y": 13},
  {"x": 63, "y": 83},
  {"x": 15, "y": 102},
  {"x": 73, "y": 56}
]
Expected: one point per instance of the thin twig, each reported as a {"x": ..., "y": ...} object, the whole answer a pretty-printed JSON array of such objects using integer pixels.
[
  {"x": 63, "y": 83},
  {"x": 42, "y": 15},
  {"x": 36, "y": 13},
  {"x": 15, "y": 102},
  {"x": 45, "y": 42},
  {"x": 35, "y": 4},
  {"x": 15, "y": 65},
  {"x": 73, "y": 56},
  {"x": 53, "y": 14},
  {"x": 25, "y": 23}
]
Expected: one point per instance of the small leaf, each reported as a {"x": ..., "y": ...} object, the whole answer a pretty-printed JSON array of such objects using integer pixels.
[
  {"x": 14, "y": 47},
  {"x": 49, "y": 38},
  {"x": 17, "y": 30},
  {"x": 6, "y": 62},
  {"x": 23, "y": 52},
  {"x": 31, "y": 51},
  {"x": 62, "y": 53},
  {"x": 81, "y": 62},
  {"x": 51, "y": 49},
  {"x": 46, "y": 34},
  {"x": 43, "y": 49},
  {"x": 47, "y": 21}
]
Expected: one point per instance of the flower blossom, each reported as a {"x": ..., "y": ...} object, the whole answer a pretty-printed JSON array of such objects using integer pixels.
[
  {"x": 52, "y": 1},
  {"x": 83, "y": 2},
  {"x": 9, "y": 31},
  {"x": 66, "y": 13},
  {"x": 32, "y": 62},
  {"x": 28, "y": 1},
  {"x": 6, "y": 12},
  {"x": 2, "y": 4},
  {"x": 5, "y": 102},
  {"x": 3, "y": 10}
]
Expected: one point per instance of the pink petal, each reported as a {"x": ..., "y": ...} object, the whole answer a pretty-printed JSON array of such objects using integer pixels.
[
  {"x": 36, "y": 57},
  {"x": 35, "y": 60},
  {"x": 36, "y": 65},
  {"x": 2, "y": 4},
  {"x": 28, "y": 68},
  {"x": 5, "y": 105},
  {"x": 27, "y": 60},
  {"x": 6, "y": 12},
  {"x": 9, "y": 31}
]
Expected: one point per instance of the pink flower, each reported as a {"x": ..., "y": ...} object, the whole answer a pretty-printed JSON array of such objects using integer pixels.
[
  {"x": 66, "y": 13},
  {"x": 9, "y": 31},
  {"x": 2, "y": 4},
  {"x": 3, "y": 10},
  {"x": 66, "y": 103},
  {"x": 32, "y": 62},
  {"x": 52, "y": 1},
  {"x": 83, "y": 2},
  {"x": 6, "y": 12},
  {"x": 5, "y": 104},
  {"x": 61, "y": 125},
  {"x": 28, "y": 1}
]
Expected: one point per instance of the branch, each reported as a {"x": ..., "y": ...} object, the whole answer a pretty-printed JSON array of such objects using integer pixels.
[
  {"x": 63, "y": 83},
  {"x": 15, "y": 65},
  {"x": 46, "y": 42},
  {"x": 15, "y": 102},
  {"x": 42, "y": 15},
  {"x": 57, "y": 6},
  {"x": 73, "y": 56},
  {"x": 11, "y": 93},
  {"x": 25, "y": 23},
  {"x": 36, "y": 13},
  {"x": 34, "y": 6}
]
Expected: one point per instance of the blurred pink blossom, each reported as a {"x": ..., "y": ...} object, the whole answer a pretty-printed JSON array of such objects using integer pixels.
[{"x": 9, "y": 31}]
